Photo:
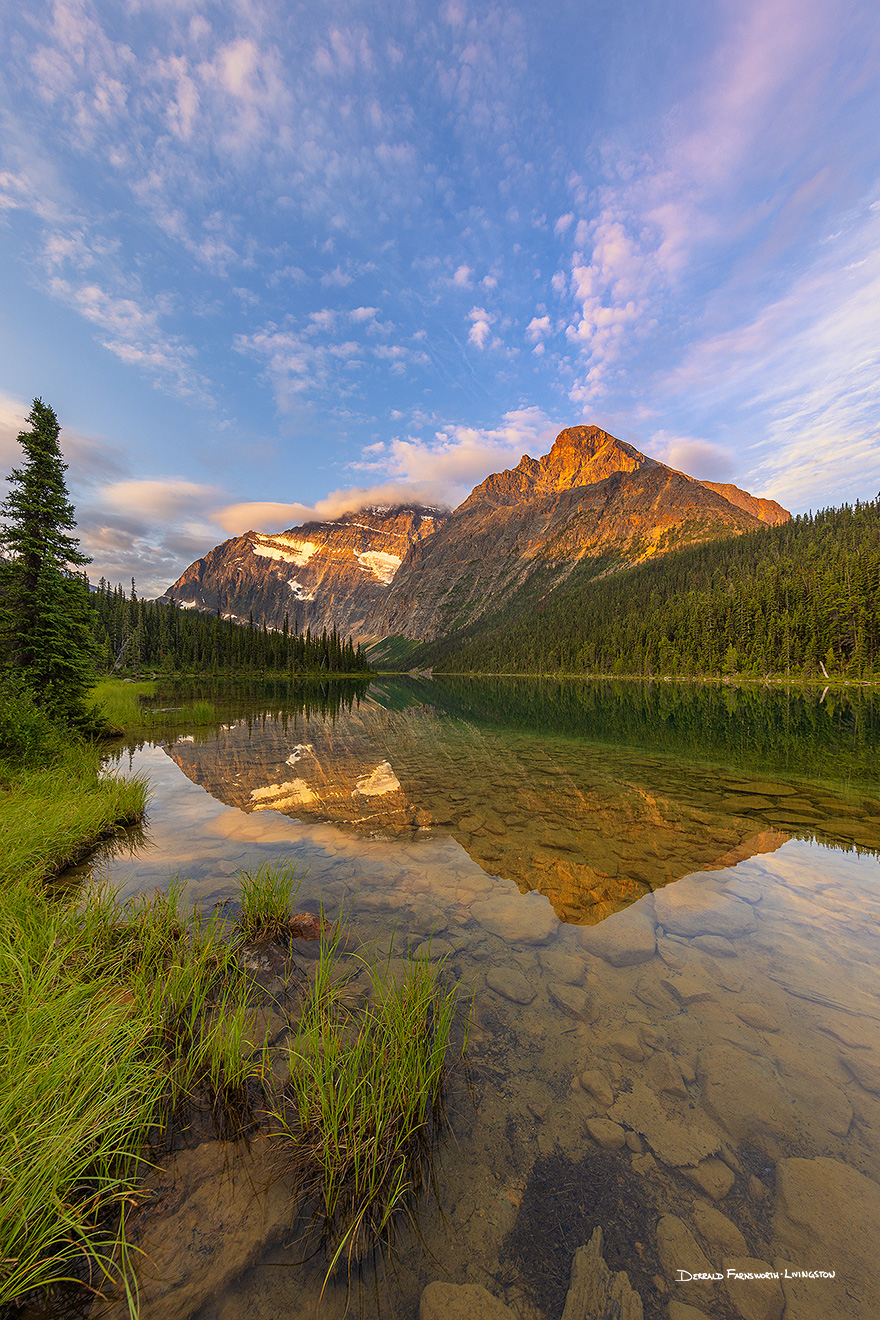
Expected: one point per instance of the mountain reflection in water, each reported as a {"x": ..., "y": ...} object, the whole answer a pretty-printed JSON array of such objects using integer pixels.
[{"x": 593, "y": 794}]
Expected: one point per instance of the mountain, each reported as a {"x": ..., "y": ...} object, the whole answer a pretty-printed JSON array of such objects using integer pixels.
[
  {"x": 591, "y": 506},
  {"x": 799, "y": 599},
  {"x": 593, "y": 503},
  {"x": 767, "y": 510},
  {"x": 322, "y": 575}
]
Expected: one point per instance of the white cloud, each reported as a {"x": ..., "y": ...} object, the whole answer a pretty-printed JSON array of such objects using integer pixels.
[
  {"x": 703, "y": 459},
  {"x": 158, "y": 498},
  {"x": 809, "y": 365},
  {"x": 537, "y": 328},
  {"x": 441, "y": 472},
  {"x": 446, "y": 467},
  {"x": 480, "y": 332},
  {"x": 363, "y": 314},
  {"x": 660, "y": 211}
]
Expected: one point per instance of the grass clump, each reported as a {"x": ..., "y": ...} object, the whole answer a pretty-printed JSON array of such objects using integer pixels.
[
  {"x": 266, "y": 900},
  {"x": 114, "y": 1018},
  {"x": 55, "y": 804},
  {"x": 53, "y": 815},
  {"x": 78, "y": 1087},
  {"x": 364, "y": 1099}
]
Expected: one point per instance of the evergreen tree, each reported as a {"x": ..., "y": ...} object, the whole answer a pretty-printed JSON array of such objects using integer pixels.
[{"x": 47, "y": 619}]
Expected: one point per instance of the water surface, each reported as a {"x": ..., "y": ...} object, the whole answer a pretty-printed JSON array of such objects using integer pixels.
[{"x": 664, "y": 901}]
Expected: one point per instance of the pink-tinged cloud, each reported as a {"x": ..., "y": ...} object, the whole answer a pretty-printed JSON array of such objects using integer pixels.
[{"x": 277, "y": 516}]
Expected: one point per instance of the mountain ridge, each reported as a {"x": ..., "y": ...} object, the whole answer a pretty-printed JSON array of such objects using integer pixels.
[
  {"x": 593, "y": 501},
  {"x": 320, "y": 575},
  {"x": 592, "y": 497}
]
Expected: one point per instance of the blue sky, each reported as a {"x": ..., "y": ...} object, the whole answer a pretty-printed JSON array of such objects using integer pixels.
[{"x": 258, "y": 256}]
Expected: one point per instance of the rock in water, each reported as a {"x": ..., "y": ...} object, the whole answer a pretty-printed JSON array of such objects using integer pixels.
[
  {"x": 595, "y": 1291},
  {"x": 623, "y": 939},
  {"x": 461, "y": 1301},
  {"x": 222, "y": 1205},
  {"x": 826, "y": 1213},
  {"x": 306, "y": 926}
]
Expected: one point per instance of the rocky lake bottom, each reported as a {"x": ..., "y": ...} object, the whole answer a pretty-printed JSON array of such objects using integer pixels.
[{"x": 675, "y": 1037}]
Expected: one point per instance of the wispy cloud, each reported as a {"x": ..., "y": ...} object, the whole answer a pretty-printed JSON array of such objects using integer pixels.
[
  {"x": 301, "y": 229},
  {"x": 439, "y": 472},
  {"x": 809, "y": 366},
  {"x": 663, "y": 216}
]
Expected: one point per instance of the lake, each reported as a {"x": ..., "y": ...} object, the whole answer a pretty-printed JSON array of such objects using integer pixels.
[{"x": 662, "y": 900}]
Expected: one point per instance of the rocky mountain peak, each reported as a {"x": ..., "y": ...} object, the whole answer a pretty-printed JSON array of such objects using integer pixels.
[
  {"x": 581, "y": 456},
  {"x": 331, "y": 574}
]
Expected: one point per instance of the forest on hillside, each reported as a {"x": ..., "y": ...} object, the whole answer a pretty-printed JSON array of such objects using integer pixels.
[
  {"x": 134, "y": 635},
  {"x": 800, "y": 599}
]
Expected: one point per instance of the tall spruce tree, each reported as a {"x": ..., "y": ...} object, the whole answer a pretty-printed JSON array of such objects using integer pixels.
[{"x": 46, "y": 615}]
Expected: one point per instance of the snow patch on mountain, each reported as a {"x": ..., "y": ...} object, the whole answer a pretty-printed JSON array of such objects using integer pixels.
[
  {"x": 301, "y": 592},
  {"x": 378, "y": 562},
  {"x": 286, "y": 548}
]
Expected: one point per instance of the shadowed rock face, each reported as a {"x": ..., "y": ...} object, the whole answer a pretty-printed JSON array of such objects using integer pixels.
[
  {"x": 593, "y": 501},
  {"x": 321, "y": 575}
]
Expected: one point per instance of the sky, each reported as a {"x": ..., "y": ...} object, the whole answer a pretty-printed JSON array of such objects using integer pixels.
[{"x": 276, "y": 261}]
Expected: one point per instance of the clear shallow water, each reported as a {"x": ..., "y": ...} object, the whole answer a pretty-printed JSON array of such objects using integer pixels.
[{"x": 666, "y": 906}]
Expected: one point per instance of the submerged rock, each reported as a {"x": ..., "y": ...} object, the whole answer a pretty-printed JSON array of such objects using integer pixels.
[
  {"x": 461, "y": 1301},
  {"x": 595, "y": 1291},
  {"x": 826, "y": 1215},
  {"x": 695, "y": 907},
  {"x": 675, "y": 1138},
  {"x": 306, "y": 926},
  {"x": 520, "y": 918},
  {"x": 623, "y": 939},
  {"x": 679, "y": 1252},
  {"x": 755, "y": 1298},
  {"x": 598, "y": 1086},
  {"x": 608, "y": 1135},
  {"x": 755, "y": 1102},
  {"x": 273, "y": 970},
  {"x": 510, "y": 984},
  {"x": 219, "y": 1206},
  {"x": 719, "y": 1231},
  {"x": 712, "y": 1176}
]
